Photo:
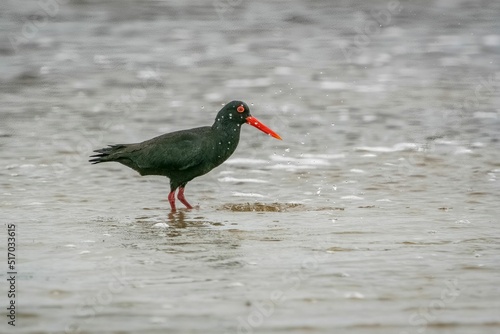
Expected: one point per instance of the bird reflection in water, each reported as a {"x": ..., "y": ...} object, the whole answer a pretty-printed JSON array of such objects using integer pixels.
[{"x": 176, "y": 219}]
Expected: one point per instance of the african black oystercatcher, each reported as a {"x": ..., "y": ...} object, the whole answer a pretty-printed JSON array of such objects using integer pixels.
[{"x": 183, "y": 155}]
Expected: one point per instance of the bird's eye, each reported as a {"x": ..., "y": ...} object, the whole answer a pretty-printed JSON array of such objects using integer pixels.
[{"x": 240, "y": 108}]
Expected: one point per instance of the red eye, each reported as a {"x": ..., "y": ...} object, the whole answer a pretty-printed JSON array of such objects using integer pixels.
[{"x": 240, "y": 109}]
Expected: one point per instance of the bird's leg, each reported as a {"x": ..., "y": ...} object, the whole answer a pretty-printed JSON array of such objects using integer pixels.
[
  {"x": 180, "y": 196},
  {"x": 171, "y": 199}
]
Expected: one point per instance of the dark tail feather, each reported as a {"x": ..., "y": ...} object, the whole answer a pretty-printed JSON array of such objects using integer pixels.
[{"x": 104, "y": 154}]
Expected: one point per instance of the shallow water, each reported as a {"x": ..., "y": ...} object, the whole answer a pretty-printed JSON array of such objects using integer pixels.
[{"x": 377, "y": 213}]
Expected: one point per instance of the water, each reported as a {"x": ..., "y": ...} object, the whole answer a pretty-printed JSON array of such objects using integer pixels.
[{"x": 377, "y": 213}]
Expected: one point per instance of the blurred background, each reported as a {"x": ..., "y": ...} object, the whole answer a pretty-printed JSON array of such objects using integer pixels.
[{"x": 390, "y": 120}]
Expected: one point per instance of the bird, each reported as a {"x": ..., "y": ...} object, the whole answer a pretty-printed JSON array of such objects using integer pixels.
[{"x": 184, "y": 155}]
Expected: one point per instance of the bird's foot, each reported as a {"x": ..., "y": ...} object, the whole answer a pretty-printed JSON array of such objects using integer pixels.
[{"x": 180, "y": 196}]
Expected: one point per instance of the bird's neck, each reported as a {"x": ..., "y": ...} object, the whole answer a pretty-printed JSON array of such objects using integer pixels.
[
  {"x": 227, "y": 130},
  {"x": 227, "y": 136}
]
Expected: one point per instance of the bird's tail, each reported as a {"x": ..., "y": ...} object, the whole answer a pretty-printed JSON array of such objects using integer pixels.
[{"x": 106, "y": 154}]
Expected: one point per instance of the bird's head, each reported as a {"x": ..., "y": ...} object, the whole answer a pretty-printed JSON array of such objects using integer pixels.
[{"x": 238, "y": 112}]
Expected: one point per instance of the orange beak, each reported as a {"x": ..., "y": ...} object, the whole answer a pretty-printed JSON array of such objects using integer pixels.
[{"x": 256, "y": 123}]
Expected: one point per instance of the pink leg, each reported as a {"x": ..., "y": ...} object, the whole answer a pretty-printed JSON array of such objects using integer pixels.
[
  {"x": 180, "y": 196},
  {"x": 171, "y": 199}
]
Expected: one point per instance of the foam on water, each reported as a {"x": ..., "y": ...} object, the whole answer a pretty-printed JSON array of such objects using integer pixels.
[{"x": 244, "y": 180}]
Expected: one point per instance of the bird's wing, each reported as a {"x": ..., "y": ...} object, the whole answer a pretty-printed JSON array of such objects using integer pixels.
[{"x": 172, "y": 151}]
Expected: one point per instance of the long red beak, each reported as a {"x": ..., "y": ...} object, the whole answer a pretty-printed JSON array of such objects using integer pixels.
[{"x": 256, "y": 123}]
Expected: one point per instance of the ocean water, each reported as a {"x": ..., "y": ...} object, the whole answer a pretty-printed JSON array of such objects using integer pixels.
[{"x": 376, "y": 213}]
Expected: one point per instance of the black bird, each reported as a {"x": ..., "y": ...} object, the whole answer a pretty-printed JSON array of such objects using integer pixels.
[{"x": 183, "y": 155}]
